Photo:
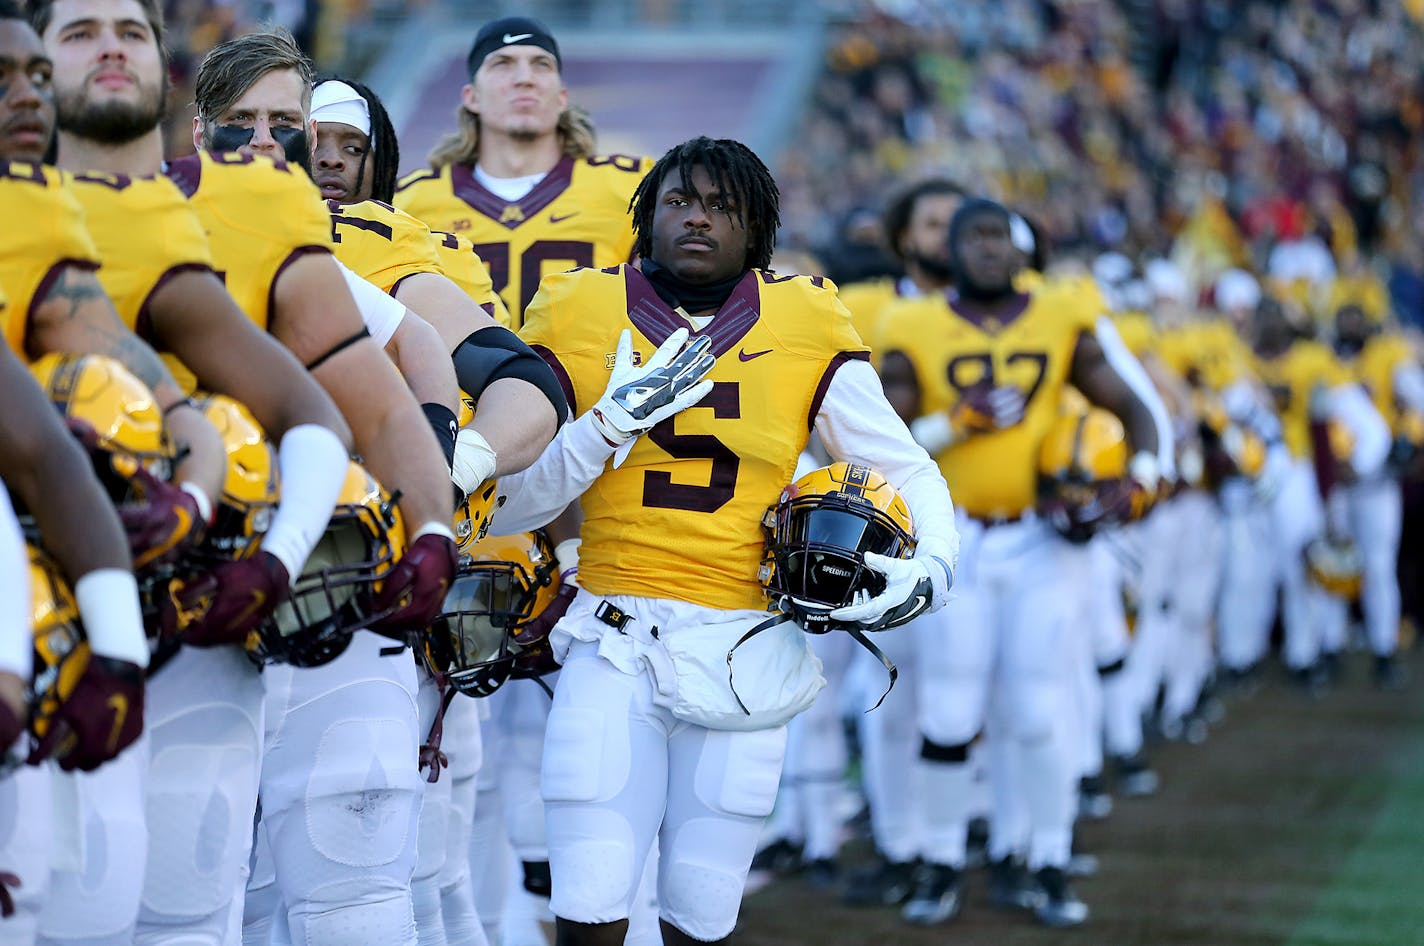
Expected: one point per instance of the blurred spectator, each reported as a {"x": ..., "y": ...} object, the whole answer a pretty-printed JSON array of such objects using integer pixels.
[{"x": 1275, "y": 135}]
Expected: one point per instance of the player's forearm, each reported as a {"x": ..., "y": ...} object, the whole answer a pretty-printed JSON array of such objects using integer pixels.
[
  {"x": 535, "y": 496},
  {"x": 400, "y": 449},
  {"x": 424, "y": 362},
  {"x": 199, "y": 446},
  {"x": 517, "y": 421}
]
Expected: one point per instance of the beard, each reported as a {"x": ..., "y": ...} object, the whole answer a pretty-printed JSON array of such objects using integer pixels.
[
  {"x": 935, "y": 267},
  {"x": 110, "y": 123}
]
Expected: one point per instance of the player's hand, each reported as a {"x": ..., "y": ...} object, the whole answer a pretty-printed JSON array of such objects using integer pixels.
[
  {"x": 416, "y": 587},
  {"x": 223, "y": 605},
  {"x": 165, "y": 519},
  {"x": 536, "y": 656},
  {"x": 101, "y": 718},
  {"x": 909, "y": 592},
  {"x": 1143, "y": 484},
  {"x": 638, "y": 397},
  {"x": 984, "y": 408}
]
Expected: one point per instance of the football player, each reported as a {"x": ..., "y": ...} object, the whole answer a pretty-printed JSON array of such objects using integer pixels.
[
  {"x": 980, "y": 378},
  {"x": 1385, "y": 364},
  {"x": 1311, "y": 389},
  {"x": 398, "y": 253},
  {"x": 47, "y": 470},
  {"x": 519, "y": 177},
  {"x": 915, "y": 222},
  {"x": 644, "y": 639}
]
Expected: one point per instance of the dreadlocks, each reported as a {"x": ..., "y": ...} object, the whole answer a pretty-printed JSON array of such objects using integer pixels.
[
  {"x": 384, "y": 152},
  {"x": 735, "y": 170}
]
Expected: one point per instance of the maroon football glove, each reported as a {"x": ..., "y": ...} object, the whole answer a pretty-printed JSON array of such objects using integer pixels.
[
  {"x": 536, "y": 657},
  {"x": 7, "y": 899},
  {"x": 420, "y": 578},
  {"x": 100, "y": 719},
  {"x": 162, "y": 522},
  {"x": 223, "y": 605}
]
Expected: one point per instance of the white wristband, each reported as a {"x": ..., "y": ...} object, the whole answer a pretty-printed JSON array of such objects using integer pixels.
[
  {"x": 108, "y": 606},
  {"x": 434, "y": 528},
  {"x": 202, "y": 499},
  {"x": 312, "y": 462},
  {"x": 566, "y": 553},
  {"x": 475, "y": 460},
  {"x": 1145, "y": 468}
]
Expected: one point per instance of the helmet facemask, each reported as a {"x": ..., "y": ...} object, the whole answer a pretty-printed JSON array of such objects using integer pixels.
[{"x": 472, "y": 640}]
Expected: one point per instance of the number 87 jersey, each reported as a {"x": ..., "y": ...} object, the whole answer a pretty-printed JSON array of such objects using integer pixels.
[
  {"x": 681, "y": 518},
  {"x": 992, "y": 475}
]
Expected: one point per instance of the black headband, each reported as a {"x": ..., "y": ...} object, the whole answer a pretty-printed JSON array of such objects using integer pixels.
[{"x": 511, "y": 31}]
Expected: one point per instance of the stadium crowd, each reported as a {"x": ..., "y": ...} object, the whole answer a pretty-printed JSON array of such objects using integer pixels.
[{"x": 411, "y": 560}]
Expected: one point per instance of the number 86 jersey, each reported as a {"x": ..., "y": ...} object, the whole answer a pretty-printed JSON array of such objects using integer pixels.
[
  {"x": 992, "y": 475},
  {"x": 681, "y": 518}
]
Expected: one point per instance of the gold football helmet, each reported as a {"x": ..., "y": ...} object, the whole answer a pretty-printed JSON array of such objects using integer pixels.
[
  {"x": 60, "y": 648},
  {"x": 817, "y": 535},
  {"x": 250, "y": 489},
  {"x": 501, "y": 583},
  {"x": 1334, "y": 563},
  {"x": 1082, "y": 473},
  {"x": 472, "y": 515},
  {"x": 332, "y": 598},
  {"x": 101, "y": 393}
]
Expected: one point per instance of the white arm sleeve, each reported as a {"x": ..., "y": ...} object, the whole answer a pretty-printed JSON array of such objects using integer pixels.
[
  {"x": 1409, "y": 385},
  {"x": 858, "y": 425},
  {"x": 1349, "y": 404},
  {"x": 381, "y": 313},
  {"x": 312, "y": 463},
  {"x": 563, "y": 473},
  {"x": 16, "y": 638},
  {"x": 1131, "y": 371},
  {"x": 1244, "y": 406}
]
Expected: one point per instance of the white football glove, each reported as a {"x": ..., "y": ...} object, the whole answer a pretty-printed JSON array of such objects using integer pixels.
[
  {"x": 909, "y": 592},
  {"x": 639, "y": 397}
]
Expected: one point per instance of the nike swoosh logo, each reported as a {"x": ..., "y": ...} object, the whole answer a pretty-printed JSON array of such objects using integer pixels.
[
  {"x": 554, "y": 218},
  {"x": 742, "y": 354},
  {"x": 514, "y": 39}
]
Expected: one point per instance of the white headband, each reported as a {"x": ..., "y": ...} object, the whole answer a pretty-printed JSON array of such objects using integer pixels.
[{"x": 335, "y": 101}]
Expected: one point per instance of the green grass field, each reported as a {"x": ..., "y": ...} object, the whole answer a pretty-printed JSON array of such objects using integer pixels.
[{"x": 1298, "y": 823}]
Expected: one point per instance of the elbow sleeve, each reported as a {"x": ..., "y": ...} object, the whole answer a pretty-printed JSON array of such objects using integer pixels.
[{"x": 490, "y": 354}]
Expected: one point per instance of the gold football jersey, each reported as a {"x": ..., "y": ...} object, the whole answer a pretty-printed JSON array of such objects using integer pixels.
[
  {"x": 993, "y": 475},
  {"x": 1137, "y": 331},
  {"x": 681, "y": 518},
  {"x": 866, "y": 301},
  {"x": 259, "y": 215},
  {"x": 1206, "y": 352},
  {"x": 145, "y": 232},
  {"x": 463, "y": 266},
  {"x": 381, "y": 244},
  {"x": 1375, "y": 367},
  {"x": 576, "y": 216},
  {"x": 1293, "y": 377},
  {"x": 44, "y": 230}
]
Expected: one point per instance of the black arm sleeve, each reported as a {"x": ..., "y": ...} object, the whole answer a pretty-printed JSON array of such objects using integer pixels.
[{"x": 493, "y": 353}]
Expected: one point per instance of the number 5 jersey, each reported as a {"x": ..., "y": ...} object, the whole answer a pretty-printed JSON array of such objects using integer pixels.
[{"x": 681, "y": 518}]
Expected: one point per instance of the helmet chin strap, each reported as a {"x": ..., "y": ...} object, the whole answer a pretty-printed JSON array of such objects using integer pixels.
[{"x": 783, "y": 616}]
